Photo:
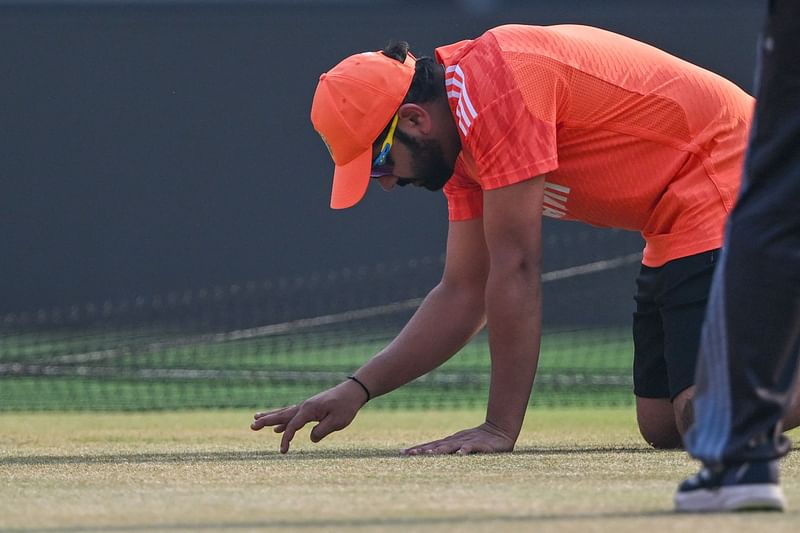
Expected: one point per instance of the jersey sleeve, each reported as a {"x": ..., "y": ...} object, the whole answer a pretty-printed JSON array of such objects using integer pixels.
[{"x": 506, "y": 114}]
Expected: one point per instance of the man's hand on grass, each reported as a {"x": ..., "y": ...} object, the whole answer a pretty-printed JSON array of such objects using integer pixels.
[
  {"x": 334, "y": 409},
  {"x": 486, "y": 438}
]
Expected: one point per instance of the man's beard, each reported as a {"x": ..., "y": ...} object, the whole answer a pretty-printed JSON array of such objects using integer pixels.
[{"x": 428, "y": 165}]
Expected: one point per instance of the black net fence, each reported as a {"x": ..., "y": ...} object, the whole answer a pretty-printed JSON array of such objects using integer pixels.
[{"x": 273, "y": 343}]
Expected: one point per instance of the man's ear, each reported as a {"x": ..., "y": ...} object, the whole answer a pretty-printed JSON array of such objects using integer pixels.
[{"x": 415, "y": 119}]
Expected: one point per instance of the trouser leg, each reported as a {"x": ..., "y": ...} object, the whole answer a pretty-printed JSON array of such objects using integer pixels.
[{"x": 751, "y": 338}]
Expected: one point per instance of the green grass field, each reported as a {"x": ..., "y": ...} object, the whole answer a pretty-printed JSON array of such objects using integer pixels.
[{"x": 573, "y": 470}]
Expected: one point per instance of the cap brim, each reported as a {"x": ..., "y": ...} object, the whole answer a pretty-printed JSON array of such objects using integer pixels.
[{"x": 350, "y": 181}]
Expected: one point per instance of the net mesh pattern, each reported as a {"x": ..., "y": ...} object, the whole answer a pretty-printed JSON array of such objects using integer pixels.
[{"x": 275, "y": 343}]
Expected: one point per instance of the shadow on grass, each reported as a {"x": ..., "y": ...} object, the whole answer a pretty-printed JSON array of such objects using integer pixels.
[
  {"x": 353, "y": 524},
  {"x": 271, "y": 455}
]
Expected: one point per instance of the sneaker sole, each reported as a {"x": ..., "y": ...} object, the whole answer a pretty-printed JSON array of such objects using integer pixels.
[{"x": 760, "y": 497}]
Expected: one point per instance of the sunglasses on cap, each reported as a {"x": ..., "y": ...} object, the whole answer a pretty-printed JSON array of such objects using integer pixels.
[{"x": 380, "y": 167}]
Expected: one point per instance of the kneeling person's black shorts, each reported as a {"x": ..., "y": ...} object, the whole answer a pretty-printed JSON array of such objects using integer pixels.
[{"x": 670, "y": 307}]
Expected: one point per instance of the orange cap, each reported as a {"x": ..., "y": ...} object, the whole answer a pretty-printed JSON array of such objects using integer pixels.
[{"x": 353, "y": 103}]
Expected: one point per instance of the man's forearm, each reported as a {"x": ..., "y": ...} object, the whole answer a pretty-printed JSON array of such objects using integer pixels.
[
  {"x": 513, "y": 306},
  {"x": 443, "y": 324}
]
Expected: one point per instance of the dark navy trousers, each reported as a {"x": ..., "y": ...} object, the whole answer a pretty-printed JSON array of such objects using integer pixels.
[{"x": 751, "y": 336}]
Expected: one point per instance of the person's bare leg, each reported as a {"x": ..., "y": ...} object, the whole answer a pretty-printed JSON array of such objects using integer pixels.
[
  {"x": 684, "y": 410},
  {"x": 656, "y": 418},
  {"x": 791, "y": 418}
]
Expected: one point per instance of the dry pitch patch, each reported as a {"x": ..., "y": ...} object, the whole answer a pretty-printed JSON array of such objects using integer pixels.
[{"x": 574, "y": 470}]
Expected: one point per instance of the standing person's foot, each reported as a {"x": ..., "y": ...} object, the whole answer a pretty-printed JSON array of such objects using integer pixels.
[{"x": 744, "y": 487}]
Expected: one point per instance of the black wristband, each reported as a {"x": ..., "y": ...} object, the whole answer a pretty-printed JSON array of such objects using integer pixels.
[{"x": 369, "y": 396}]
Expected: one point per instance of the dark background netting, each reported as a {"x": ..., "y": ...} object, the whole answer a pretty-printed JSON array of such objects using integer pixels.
[{"x": 276, "y": 342}]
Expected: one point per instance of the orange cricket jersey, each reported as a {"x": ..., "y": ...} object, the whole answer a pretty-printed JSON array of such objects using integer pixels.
[{"x": 627, "y": 135}]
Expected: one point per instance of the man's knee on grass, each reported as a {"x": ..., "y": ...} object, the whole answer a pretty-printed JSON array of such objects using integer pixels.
[
  {"x": 656, "y": 418},
  {"x": 662, "y": 437},
  {"x": 668, "y": 421}
]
